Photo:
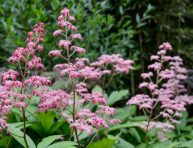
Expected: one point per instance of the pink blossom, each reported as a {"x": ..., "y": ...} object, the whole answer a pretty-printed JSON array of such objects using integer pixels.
[
  {"x": 40, "y": 48},
  {"x": 167, "y": 74},
  {"x": 98, "y": 98},
  {"x": 85, "y": 113},
  {"x": 21, "y": 105},
  {"x": 146, "y": 75},
  {"x": 10, "y": 75},
  {"x": 64, "y": 43},
  {"x": 161, "y": 52},
  {"x": 71, "y": 18},
  {"x": 56, "y": 53},
  {"x": 106, "y": 110},
  {"x": 65, "y": 12},
  {"x": 114, "y": 121},
  {"x": 35, "y": 62},
  {"x": 79, "y": 50},
  {"x": 37, "y": 81},
  {"x": 97, "y": 122},
  {"x": 82, "y": 127},
  {"x": 166, "y": 46},
  {"x": 155, "y": 66},
  {"x": 155, "y": 57},
  {"x": 76, "y": 36},
  {"x": 57, "y": 32},
  {"x": 3, "y": 123}
]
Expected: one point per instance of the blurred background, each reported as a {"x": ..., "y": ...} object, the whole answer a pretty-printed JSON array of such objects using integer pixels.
[{"x": 133, "y": 28}]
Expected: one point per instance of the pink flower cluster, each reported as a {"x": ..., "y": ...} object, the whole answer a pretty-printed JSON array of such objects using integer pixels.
[
  {"x": 80, "y": 69},
  {"x": 165, "y": 89},
  {"x": 65, "y": 22},
  {"x": 55, "y": 99},
  {"x": 117, "y": 63},
  {"x": 14, "y": 92},
  {"x": 27, "y": 54}
]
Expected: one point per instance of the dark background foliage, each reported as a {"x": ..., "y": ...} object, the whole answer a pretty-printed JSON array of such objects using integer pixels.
[{"x": 133, "y": 28}]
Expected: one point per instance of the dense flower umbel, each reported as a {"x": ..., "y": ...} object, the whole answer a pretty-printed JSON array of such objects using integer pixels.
[
  {"x": 13, "y": 91},
  {"x": 165, "y": 90},
  {"x": 118, "y": 64}
]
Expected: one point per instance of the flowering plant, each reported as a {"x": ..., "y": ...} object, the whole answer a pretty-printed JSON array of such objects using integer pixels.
[
  {"x": 80, "y": 108},
  {"x": 80, "y": 71},
  {"x": 84, "y": 111},
  {"x": 166, "y": 97}
]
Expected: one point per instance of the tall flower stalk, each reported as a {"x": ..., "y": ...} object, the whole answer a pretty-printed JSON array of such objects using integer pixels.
[
  {"x": 165, "y": 100},
  {"x": 15, "y": 93},
  {"x": 72, "y": 108}
]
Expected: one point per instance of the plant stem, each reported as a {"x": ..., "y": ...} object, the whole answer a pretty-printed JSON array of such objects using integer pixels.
[
  {"x": 92, "y": 139},
  {"x": 24, "y": 74},
  {"x": 24, "y": 128},
  {"x": 74, "y": 93},
  {"x": 74, "y": 112}
]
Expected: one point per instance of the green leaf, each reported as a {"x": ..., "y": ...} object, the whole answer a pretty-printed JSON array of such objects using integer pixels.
[
  {"x": 123, "y": 144},
  {"x": 18, "y": 135},
  {"x": 97, "y": 88},
  {"x": 57, "y": 125},
  {"x": 168, "y": 143},
  {"x": 63, "y": 144},
  {"x": 135, "y": 134},
  {"x": 137, "y": 18},
  {"x": 4, "y": 140},
  {"x": 186, "y": 143},
  {"x": 124, "y": 112},
  {"x": 48, "y": 140},
  {"x": 116, "y": 96},
  {"x": 46, "y": 119},
  {"x": 19, "y": 125},
  {"x": 126, "y": 125},
  {"x": 103, "y": 143}
]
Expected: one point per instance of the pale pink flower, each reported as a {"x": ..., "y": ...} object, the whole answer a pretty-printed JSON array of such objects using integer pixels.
[
  {"x": 76, "y": 36},
  {"x": 57, "y": 32},
  {"x": 65, "y": 12},
  {"x": 56, "y": 53},
  {"x": 79, "y": 50},
  {"x": 64, "y": 44}
]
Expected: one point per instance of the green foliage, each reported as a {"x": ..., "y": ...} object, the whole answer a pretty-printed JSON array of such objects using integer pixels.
[
  {"x": 63, "y": 144},
  {"x": 123, "y": 144},
  {"x": 103, "y": 143},
  {"x": 18, "y": 135},
  {"x": 116, "y": 96},
  {"x": 124, "y": 113},
  {"x": 48, "y": 123},
  {"x": 47, "y": 142}
]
